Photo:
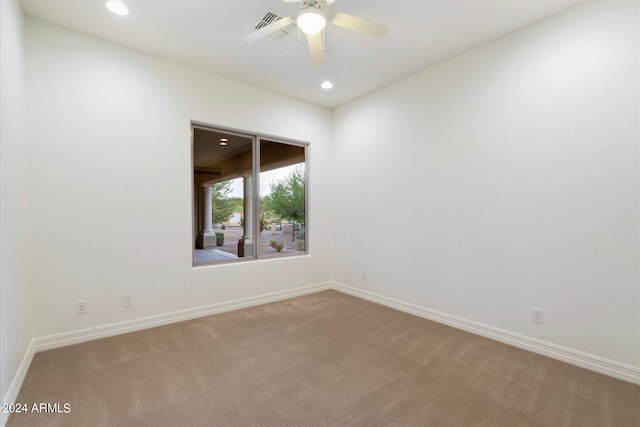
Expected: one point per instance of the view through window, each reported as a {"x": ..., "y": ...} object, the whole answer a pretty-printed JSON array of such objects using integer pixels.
[{"x": 249, "y": 197}]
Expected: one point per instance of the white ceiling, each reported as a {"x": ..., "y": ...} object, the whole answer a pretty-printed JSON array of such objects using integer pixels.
[{"x": 207, "y": 34}]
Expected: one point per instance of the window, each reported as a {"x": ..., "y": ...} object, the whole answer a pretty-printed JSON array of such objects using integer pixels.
[{"x": 249, "y": 196}]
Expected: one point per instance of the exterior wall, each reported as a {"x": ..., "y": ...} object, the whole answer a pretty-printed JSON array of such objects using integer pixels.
[
  {"x": 111, "y": 181},
  {"x": 516, "y": 167}
]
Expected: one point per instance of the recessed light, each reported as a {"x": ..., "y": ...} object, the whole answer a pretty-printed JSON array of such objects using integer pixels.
[
  {"x": 223, "y": 143},
  {"x": 224, "y": 140},
  {"x": 326, "y": 85},
  {"x": 117, "y": 7}
]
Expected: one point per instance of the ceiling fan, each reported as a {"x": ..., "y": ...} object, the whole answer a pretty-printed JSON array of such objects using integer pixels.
[{"x": 312, "y": 19}]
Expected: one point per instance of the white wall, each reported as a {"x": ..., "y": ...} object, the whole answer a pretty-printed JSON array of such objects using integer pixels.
[
  {"x": 111, "y": 181},
  {"x": 513, "y": 169},
  {"x": 15, "y": 297},
  {"x": 511, "y": 174}
]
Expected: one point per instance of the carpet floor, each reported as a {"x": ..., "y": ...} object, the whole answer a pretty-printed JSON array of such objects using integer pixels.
[{"x": 325, "y": 359}]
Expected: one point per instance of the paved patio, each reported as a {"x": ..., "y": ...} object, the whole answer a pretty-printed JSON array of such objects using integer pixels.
[
  {"x": 229, "y": 250},
  {"x": 212, "y": 254}
]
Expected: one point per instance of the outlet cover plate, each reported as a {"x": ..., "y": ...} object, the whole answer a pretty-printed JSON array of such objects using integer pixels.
[
  {"x": 537, "y": 315},
  {"x": 81, "y": 307}
]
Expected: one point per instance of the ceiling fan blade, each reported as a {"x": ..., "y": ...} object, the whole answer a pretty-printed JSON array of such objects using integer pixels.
[
  {"x": 315, "y": 48},
  {"x": 360, "y": 25},
  {"x": 268, "y": 29}
]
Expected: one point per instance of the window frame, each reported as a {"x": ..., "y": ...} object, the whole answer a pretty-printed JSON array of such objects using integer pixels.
[{"x": 256, "y": 139}]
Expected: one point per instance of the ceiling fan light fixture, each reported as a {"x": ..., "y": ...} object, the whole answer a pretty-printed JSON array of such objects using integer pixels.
[
  {"x": 117, "y": 7},
  {"x": 311, "y": 21}
]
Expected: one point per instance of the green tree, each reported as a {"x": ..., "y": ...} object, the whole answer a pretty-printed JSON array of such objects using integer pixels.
[
  {"x": 286, "y": 198},
  {"x": 266, "y": 208},
  {"x": 237, "y": 203},
  {"x": 222, "y": 206}
]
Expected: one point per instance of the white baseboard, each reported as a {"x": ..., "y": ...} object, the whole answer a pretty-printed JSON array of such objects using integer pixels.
[
  {"x": 584, "y": 360},
  {"x": 16, "y": 384},
  {"x": 90, "y": 334},
  {"x": 598, "y": 364}
]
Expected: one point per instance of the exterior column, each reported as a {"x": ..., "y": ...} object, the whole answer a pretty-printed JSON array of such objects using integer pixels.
[
  {"x": 245, "y": 244},
  {"x": 206, "y": 237}
]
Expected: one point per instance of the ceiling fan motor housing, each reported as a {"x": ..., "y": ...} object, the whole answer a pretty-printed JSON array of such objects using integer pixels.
[{"x": 312, "y": 4}]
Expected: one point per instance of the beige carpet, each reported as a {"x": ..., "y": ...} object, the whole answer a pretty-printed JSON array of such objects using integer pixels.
[{"x": 326, "y": 359}]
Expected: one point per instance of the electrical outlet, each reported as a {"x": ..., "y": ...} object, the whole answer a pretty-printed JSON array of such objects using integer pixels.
[
  {"x": 319, "y": 271},
  {"x": 364, "y": 277},
  {"x": 81, "y": 307},
  {"x": 127, "y": 300},
  {"x": 537, "y": 315}
]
